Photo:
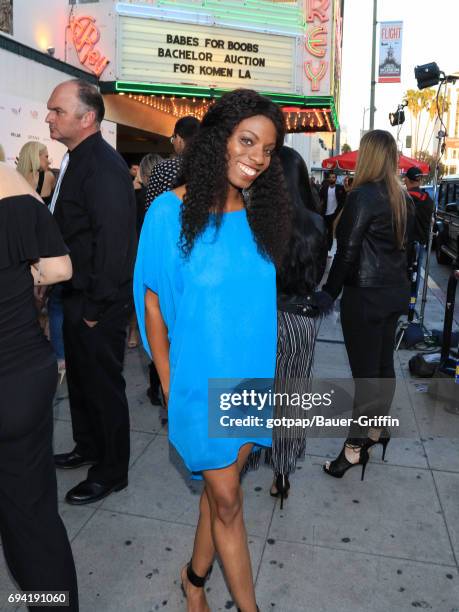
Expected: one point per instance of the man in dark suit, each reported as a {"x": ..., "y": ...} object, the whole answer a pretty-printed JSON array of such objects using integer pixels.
[
  {"x": 94, "y": 205},
  {"x": 332, "y": 198}
]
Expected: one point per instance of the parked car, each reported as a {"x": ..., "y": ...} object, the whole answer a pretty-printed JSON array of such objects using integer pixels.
[
  {"x": 447, "y": 221},
  {"x": 429, "y": 189}
]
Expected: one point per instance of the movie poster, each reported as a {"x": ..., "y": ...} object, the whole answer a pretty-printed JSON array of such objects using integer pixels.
[{"x": 390, "y": 52}]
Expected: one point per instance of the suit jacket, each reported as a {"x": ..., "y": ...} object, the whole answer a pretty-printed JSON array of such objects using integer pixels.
[{"x": 340, "y": 197}]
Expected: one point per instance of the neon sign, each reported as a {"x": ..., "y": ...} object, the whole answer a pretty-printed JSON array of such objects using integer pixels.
[
  {"x": 86, "y": 35},
  {"x": 316, "y": 41},
  {"x": 317, "y": 8},
  {"x": 316, "y": 38}
]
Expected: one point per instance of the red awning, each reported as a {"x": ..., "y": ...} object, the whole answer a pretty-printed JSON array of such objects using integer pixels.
[{"x": 348, "y": 161}]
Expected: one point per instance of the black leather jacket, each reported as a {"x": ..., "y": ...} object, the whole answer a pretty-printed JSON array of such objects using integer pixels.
[{"x": 367, "y": 254}]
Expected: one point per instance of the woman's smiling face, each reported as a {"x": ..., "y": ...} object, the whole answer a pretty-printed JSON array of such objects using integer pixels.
[{"x": 249, "y": 150}]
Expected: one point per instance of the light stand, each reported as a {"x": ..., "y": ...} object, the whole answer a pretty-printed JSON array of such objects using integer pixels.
[
  {"x": 398, "y": 119},
  {"x": 440, "y": 149},
  {"x": 430, "y": 75}
]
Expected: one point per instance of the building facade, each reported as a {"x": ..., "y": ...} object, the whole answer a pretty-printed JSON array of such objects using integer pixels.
[
  {"x": 157, "y": 60},
  {"x": 451, "y": 157}
]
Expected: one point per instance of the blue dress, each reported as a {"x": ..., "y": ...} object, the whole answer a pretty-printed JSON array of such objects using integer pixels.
[{"x": 219, "y": 306}]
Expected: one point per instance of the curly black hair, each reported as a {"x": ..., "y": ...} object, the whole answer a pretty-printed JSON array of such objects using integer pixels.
[{"x": 204, "y": 170}]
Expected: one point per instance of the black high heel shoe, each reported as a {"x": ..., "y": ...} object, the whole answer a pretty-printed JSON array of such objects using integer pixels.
[
  {"x": 283, "y": 487},
  {"x": 341, "y": 465},
  {"x": 384, "y": 439},
  {"x": 194, "y": 579}
]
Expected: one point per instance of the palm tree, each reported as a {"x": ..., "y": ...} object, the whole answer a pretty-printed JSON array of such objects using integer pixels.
[
  {"x": 428, "y": 104},
  {"x": 423, "y": 107},
  {"x": 435, "y": 108},
  {"x": 415, "y": 107}
]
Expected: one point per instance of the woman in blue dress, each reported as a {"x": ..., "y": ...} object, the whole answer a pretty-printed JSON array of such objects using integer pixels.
[{"x": 205, "y": 293}]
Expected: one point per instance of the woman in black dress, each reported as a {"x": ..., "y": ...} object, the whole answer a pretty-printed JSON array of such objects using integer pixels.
[{"x": 35, "y": 542}]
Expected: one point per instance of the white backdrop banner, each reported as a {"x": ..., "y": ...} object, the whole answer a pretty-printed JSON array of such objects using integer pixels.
[{"x": 22, "y": 120}]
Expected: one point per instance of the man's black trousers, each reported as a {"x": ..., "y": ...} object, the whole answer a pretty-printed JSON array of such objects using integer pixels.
[
  {"x": 98, "y": 404},
  {"x": 35, "y": 542}
]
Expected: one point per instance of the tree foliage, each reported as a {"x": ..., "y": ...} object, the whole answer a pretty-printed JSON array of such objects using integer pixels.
[
  {"x": 430, "y": 159},
  {"x": 424, "y": 109}
]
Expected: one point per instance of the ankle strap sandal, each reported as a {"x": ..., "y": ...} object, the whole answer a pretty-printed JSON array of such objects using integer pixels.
[{"x": 197, "y": 581}]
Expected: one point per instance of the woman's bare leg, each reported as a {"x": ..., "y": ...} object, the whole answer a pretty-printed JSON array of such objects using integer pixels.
[
  {"x": 204, "y": 548},
  {"x": 202, "y": 558},
  {"x": 228, "y": 530}
]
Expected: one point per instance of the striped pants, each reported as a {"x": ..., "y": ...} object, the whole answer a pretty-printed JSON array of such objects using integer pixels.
[{"x": 296, "y": 338}]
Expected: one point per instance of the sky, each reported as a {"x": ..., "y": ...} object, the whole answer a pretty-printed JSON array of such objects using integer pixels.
[{"x": 430, "y": 34}]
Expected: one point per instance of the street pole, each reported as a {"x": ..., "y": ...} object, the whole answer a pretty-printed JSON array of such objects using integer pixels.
[
  {"x": 441, "y": 139},
  {"x": 373, "y": 66},
  {"x": 363, "y": 119}
]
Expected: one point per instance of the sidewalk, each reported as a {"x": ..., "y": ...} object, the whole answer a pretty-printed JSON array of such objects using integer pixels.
[{"x": 388, "y": 543}]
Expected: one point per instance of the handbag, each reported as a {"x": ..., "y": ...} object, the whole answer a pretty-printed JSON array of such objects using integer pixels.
[{"x": 314, "y": 304}]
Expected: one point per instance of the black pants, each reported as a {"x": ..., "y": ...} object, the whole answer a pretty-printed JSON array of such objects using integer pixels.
[
  {"x": 98, "y": 403},
  {"x": 329, "y": 221},
  {"x": 369, "y": 319},
  {"x": 35, "y": 542}
]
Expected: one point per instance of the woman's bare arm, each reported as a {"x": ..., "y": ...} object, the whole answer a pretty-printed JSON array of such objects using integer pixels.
[
  {"x": 157, "y": 339},
  {"x": 51, "y": 270},
  {"x": 48, "y": 184}
]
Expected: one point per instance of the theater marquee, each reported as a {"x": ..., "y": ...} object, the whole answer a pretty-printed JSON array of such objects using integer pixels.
[{"x": 165, "y": 52}]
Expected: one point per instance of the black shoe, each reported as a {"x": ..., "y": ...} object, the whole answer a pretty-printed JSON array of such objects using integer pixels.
[
  {"x": 282, "y": 488},
  {"x": 72, "y": 460},
  {"x": 341, "y": 465},
  {"x": 88, "y": 492},
  {"x": 384, "y": 439}
]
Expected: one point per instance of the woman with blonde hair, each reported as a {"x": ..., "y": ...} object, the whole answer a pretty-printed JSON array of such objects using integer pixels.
[
  {"x": 370, "y": 266},
  {"x": 33, "y": 164}
]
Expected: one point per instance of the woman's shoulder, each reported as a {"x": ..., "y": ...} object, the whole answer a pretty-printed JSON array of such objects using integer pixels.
[
  {"x": 49, "y": 176},
  {"x": 23, "y": 212},
  {"x": 371, "y": 191},
  {"x": 369, "y": 187},
  {"x": 24, "y": 222},
  {"x": 24, "y": 202},
  {"x": 12, "y": 183},
  {"x": 164, "y": 209},
  {"x": 166, "y": 202}
]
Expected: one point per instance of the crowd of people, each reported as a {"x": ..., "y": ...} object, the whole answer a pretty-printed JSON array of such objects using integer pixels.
[{"x": 223, "y": 249}]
